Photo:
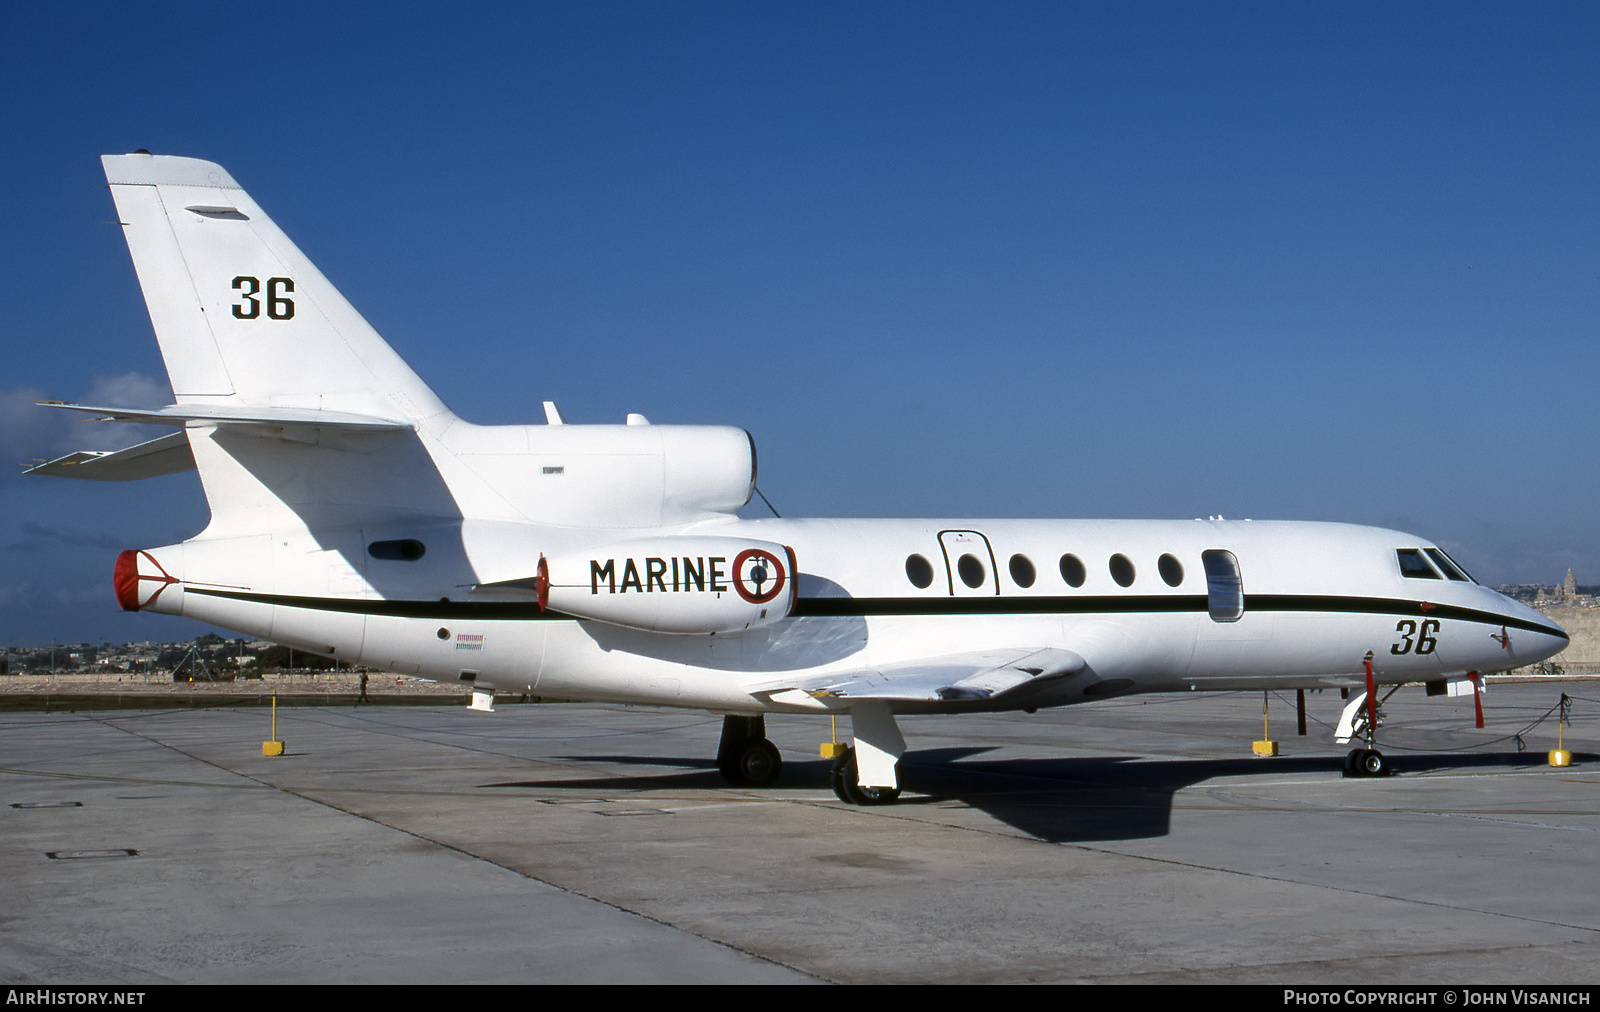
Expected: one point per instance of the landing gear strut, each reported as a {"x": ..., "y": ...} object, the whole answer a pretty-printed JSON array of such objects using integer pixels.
[
  {"x": 868, "y": 773},
  {"x": 746, "y": 758},
  {"x": 847, "y": 786},
  {"x": 1367, "y": 762}
]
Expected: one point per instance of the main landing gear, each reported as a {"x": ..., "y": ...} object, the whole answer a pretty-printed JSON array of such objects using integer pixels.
[
  {"x": 746, "y": 758},
  {"x": 845, "y": 780},
  {"x": 866, "y": 774}
]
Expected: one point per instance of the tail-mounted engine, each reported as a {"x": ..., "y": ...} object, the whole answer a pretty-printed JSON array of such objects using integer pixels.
[
  {"x": 673, "y": 585},
  {"x": 143, "y": 583}
]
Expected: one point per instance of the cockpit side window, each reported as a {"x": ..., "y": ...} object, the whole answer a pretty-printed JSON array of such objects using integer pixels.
[
  {"x": 1448, "y": 565},
  {"x": 1413, "y": 566}
]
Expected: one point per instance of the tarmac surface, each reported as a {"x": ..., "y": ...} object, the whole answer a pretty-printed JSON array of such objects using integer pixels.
[{"x": 1130, "y": 840}]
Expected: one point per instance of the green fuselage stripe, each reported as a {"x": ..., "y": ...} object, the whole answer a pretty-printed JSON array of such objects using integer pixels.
[{"x": 872, "y": 607}]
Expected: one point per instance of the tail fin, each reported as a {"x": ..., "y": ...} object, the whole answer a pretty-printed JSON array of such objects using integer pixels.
[
  {"x": 302, "y": 420},
  {"x": 242, "y": 317}
]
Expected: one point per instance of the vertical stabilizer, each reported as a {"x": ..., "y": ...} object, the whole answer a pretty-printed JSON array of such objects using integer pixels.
[
  {"x": 243, "y": 318},
  {"x": 301, "y": 420}
]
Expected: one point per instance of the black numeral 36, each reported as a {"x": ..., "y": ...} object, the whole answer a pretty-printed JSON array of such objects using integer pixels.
[
  {"x": 279, "y": 307},
  {"x": 1413, "y": 640}
]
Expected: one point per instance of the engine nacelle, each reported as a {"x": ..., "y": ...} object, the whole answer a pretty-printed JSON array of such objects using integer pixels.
[
  {"x": 611, "y": 476},
  {"x": 143, "y": 584},
  {"x": 674, "y": 585}
]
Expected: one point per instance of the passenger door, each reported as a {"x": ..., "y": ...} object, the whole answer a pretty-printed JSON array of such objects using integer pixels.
[{"x": 969, "y": 564}]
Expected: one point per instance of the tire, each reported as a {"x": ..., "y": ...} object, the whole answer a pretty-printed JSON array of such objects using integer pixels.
[
  {"x": 1374, "y": 764},
  {"x": 844, "y": 769},
  {"x": 845, "y": 780},
  {"x": 877, "y": 795},
  {"x": 1353, "y": 763},
  {"x": 759, "y": 763}
]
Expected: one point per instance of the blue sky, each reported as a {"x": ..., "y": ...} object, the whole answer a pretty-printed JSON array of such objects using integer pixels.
[{"x": 1299, "y": 261}]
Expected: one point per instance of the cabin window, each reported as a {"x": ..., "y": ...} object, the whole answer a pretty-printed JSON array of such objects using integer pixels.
[
  {"x": 1171, "y": 570},
  {"x": 1073, "y": 570},
  {"x": 1448, "y": 565},
  {"x": 406, "y": 550},
  {"x": 1413, "y": 566},
  {"x": 1224, "y": 585},
  {"x": 919, "y": 571},
  {"x": 971, "y": 571},
  {"x": 1122, "y": 570},
  {"x": 1022, "y": 572}
]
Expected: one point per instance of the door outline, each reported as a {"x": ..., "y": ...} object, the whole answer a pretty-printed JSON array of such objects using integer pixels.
[{"x": 964, "y": 541}]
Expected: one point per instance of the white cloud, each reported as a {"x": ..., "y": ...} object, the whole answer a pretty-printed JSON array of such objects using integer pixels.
[{"x": 30, "y": 433}]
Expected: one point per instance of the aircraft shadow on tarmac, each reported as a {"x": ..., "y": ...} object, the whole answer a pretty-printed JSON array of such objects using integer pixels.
[{"x": 1066, "y": 800}]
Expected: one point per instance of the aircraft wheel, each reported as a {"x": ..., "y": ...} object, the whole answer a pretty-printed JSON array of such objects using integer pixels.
[
  {"x": 759, "y": 763},
  {"x": 877, "y": 795},
  {"x": 844, "y": 768},
  {"x": 1353, "y": 763},
  {"x": 745, "y": 757},
  {"x": 1374, "y": 764},
  {"x": 846, "y": 784}
]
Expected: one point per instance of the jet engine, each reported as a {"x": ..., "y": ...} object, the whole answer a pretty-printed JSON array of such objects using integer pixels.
[
  {"x": 142, "y": 584},
  {"x": 673, "y": 585}
]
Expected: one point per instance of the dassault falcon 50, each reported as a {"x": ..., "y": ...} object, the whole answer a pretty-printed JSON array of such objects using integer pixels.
[{"x": 356, "y": 516}]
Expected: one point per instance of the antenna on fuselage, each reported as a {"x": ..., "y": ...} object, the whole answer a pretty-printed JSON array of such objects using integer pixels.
[{"x": 769, "y": 504}]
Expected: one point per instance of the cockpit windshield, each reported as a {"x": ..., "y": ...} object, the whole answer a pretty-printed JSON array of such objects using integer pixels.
[
  {"x": 1414, "y": 565},
  {"x": 1448, "y": 566}
]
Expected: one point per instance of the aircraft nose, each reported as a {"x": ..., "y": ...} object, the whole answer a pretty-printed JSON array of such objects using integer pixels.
[
  {"x": 1546, "y": 644},
  {"x": 1528, "y": 636}
]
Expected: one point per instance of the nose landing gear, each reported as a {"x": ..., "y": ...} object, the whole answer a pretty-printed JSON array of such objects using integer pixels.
[{"x": 1366, "y": 762}]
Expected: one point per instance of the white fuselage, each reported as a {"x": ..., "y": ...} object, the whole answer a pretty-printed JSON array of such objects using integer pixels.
[{"x": 1316, "y": 599}]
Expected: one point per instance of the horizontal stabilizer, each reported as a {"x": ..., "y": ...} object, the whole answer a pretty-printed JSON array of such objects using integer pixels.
[
  {"x": 954, "y": 677},
  {"x": 225, "y": 414},
  {"x": 167, "y": 455}
]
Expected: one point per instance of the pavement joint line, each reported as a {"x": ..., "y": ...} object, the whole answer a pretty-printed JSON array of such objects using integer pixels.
[
  {"x": 1521, "y": 822},
  {"x": 253, "y": 786},
  {"x": 431, "y": 739},
  {"x": 473, "y": 857},
  {"x": 553, "y": 885},
  {"x": 893, "y": 812},
  {"x": 1592, "y": 930},
  {"x": 1331, "y": 962},
  {"x": 947, "y": 802}
]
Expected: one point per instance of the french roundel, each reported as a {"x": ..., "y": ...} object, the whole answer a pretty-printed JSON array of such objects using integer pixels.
[{"x": 758, "y": 576}]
